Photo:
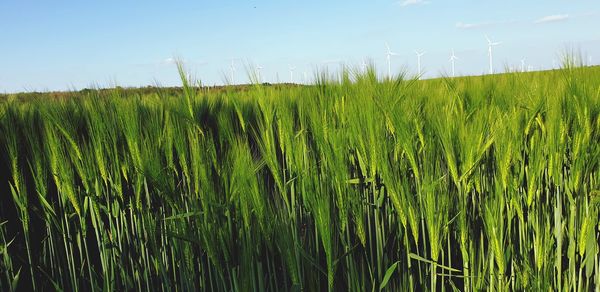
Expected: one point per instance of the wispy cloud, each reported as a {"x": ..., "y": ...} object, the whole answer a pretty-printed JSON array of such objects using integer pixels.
[
  {"x": 462, "y": 25},
  {"x": 552, "y": 18},
  {"x": 545, "y": 19},
  {"x": 405, "y": 3}
]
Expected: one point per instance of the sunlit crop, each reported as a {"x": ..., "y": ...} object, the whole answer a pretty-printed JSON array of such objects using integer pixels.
[{"x": 359, "y": 184}]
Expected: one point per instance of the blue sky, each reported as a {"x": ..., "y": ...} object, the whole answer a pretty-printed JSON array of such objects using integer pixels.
[{"x": 59, "y": 45}]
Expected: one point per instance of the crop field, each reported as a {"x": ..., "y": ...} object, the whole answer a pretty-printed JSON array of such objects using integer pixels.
[{"x": 356, "y": 183}]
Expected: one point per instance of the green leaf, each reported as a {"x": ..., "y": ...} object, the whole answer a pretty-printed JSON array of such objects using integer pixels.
[
  {"x": 15, "y": 281},
  {"x": 46, "y": 205},
  {"x": 417, "y": 257},
  {"x": 583, "y": 235},
  {"x": 353, "y": 181},
  {"x": 184, "y": 215},
  {"x": 345, "y": 254},
  {"x": 388, "y": 275}
]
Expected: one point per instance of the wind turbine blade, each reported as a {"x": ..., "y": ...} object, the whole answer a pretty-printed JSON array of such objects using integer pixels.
[
  {"x": 389, "y": 51},
  {"x": 488, "y": 39}
]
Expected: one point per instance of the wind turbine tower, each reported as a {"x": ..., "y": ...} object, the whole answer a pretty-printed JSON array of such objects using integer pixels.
[
  {"x": 490, "y": 45},
  {"x": 522, "y": 65},
  {"x": 292, "y": 68},
  {"x": 389, "y": 55},
  {"x": 419, "y": 55},
  {"x": 453, "y": 59},
  {"x": 232, "y": 67},
  {"x": 258, "y": 68}
]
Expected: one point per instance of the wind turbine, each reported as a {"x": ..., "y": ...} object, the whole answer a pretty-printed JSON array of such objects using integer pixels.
[
  {"x": 364, "y": 66},
  {"x": 258, "y": 68},
  {"x": 232, "y": 67},
  {"x": 490, "y": 45},
  {"x": 453, "y": 58},
  {"x": 419, "y": 55},
  {"x": 389, "y": 55},
  {"x": 305, "y": 78},
  {"x": 523, "y": 65},
  {"x": 292, "y": 68}
]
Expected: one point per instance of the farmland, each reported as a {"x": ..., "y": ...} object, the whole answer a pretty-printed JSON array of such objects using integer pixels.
[{"x": 356, "y": 183}]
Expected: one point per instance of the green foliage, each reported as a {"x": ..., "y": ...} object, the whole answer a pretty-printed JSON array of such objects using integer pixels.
[{"x": 351, "y": 184}]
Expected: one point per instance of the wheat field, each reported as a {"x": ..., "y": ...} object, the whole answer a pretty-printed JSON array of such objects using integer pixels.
[{"x": 355, "y": 183}]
